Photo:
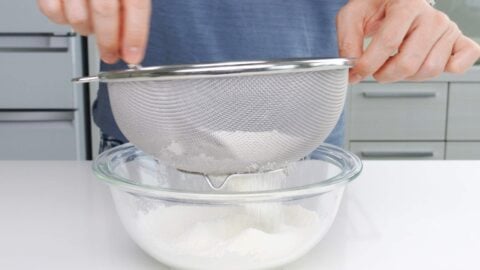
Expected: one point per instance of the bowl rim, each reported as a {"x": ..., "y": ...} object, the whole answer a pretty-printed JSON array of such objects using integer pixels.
[{"x": 349, "y": 164}]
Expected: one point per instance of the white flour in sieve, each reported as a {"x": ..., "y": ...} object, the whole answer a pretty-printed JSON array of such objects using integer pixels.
[
  {"x": 244, "y": 144},
  {"x": 209, "y": 237},
  {"x": 221, "y": 152},
  {"x": 240, "y": 145}
]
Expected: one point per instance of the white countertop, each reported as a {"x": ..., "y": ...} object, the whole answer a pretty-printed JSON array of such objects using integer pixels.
[{"x": 397, "y": 215}]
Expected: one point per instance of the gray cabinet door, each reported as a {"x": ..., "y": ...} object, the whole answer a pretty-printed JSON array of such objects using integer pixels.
[
  {"x": 463, "y": 150},
  {"x": 398, "y": 150},
  {"x": 25, "y": 16},
  {"x": 464, "y": 111},
  {"x": 403, "y": 111},
  {"x": 37, "y": 136},
  {"x": 38, "y": 76}
]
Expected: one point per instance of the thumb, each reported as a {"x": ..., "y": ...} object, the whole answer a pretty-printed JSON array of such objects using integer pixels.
[{"x": 350, "y": 34}]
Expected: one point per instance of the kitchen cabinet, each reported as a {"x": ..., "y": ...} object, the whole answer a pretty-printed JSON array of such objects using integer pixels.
[
  {"x": 399, "y": 150},
  {"x": 42, "y": 114},
  {"x": 463, "y": 150},
  {"x": 37, "y": 135},
  {"x": 403, "y": 111},
  {"x": 464, "y": 112},
  {"x": 36, "y": 74},
  {"x": 439, "y": 119}
]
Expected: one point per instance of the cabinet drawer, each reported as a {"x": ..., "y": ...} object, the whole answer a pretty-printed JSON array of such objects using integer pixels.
[
  {"x": 463, "y": 150},
  {"x": 398, "y": 150},
  {"x": 404, "y": 111},
  {"x": 464, "y": 112},
  {"x": 31, "y": 135},
  {"x": 38, "y": 79},
  {"x": 25, "y": 16}
]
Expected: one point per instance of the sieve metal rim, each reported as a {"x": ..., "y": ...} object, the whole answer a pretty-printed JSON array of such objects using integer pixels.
[
  {"x": 219, "y": 69},
  {"x": 350, "y": 165}
]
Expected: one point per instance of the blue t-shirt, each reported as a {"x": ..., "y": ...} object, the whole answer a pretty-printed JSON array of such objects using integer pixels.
[{"x": 193, "y": 31}]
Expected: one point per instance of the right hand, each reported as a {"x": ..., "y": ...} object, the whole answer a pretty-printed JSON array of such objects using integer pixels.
[
  {"x": 411, "y": 40},
  {"x": 121, "y": 27}
]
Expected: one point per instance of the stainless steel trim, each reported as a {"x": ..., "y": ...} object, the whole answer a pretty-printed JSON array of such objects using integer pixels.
[
  {"x": 399, "y": 94},
  {"x": 223, "y": 69},
  {"x": 35, "y": 116},
  {"x": 400, "y": 154}
]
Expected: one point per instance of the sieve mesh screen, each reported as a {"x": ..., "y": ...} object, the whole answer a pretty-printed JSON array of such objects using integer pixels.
[{"x": 225, "y": 125}]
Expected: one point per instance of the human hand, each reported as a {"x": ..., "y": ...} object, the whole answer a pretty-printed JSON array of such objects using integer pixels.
[
  {"x": 411, "y": 40},
  {"x": 120, "y": 26}
]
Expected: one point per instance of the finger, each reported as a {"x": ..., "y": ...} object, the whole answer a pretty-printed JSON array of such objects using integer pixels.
[
  {"x": 53, "y": 9},
  {"x": 106, "y": 25},
  {"x": 385, "y": 42},
  {"x": 135, "y": 29},
  {"x": 414, "y": 49},
  {"x": 438, "y": 57},
  {"x": 465, "y": 53},
  {"x": 350, "y": 34},
  {"x": 77, "y": 16}
]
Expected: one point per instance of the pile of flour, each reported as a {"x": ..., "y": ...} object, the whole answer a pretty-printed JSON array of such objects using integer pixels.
[{"x": 213, "y": 237}]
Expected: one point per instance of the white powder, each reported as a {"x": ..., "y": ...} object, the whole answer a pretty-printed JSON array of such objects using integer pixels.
[
  {"x": 224, "y": 152},
  {"x": 175, "y": 148},
  {"x": 250, "y": 236},
  {"x": 226, "y": 237},
  {"x": 264, "y": 145}
]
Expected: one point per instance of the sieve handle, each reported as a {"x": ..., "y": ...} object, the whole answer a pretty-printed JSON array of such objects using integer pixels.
[
  {"x": 400, "y": 154},
  {"x": 399, "y": 95},
  {"x": 88, "y": 79}
]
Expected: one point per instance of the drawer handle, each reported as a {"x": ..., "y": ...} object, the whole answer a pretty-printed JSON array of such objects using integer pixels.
[
  {"x": 404, "y": 154},
  {"x": 24, "y": 42},
  {"x": 399, "y": 95},
  {"x": 35, "y": 116}
]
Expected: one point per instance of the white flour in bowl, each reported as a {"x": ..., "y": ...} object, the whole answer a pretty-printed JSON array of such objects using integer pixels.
[
  {"x": 258, "y": 235},
  {"x": 226, "y": 237}
]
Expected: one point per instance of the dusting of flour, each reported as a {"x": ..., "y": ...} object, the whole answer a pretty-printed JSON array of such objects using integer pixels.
[
  {"x": 262, "y": 145},
  {"x": 208, "y": 237}
]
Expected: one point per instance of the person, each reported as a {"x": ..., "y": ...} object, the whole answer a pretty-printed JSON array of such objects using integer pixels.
[{"x": 410, "y": 40}]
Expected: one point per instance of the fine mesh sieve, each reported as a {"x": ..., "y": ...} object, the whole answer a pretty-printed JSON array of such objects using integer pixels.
[{"x": 226, "y": 118}]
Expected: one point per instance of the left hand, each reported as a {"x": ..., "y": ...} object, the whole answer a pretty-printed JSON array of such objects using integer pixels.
[
  {"x": 411, "y": 40},
  {"x": 121, "y": 27}
]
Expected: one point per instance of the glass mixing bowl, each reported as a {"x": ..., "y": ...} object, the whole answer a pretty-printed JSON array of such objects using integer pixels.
[{"x": 255, "y": 221}]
